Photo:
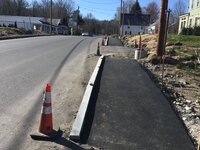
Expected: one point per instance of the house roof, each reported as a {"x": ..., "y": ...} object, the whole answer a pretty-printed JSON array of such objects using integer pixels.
[
  {"x": 55, "y": 22},
  {"x": 183, "y": 15},
  {"x": 136, "y": 19},
  {"x": 153, "y": 25},
  {"x": 7, "y": 18},
  {"x": 33, "y": 20}
]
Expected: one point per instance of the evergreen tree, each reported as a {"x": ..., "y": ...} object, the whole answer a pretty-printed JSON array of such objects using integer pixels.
[{"x": 136, "y": 9}]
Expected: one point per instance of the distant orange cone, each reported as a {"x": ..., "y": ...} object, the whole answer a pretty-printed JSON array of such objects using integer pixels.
[{"x": 46, "y": 122}]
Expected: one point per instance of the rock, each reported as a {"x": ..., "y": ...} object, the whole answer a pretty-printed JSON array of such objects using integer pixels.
[
  {"x": 183, "y": 81},
  {"x": 188, "y": 101},
  {"x": 184, "y": 118},
  {"x": 187, "y": 108},
  {"x": 193, "y": 110}
]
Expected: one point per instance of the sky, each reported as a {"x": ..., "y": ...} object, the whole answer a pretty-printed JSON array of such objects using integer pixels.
[{"x": 106, "y": 9}]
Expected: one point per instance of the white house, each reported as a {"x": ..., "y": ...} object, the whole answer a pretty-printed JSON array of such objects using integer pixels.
[
  {"x": 132, "y": 24},
  {"x": 192, "y": 18},
  {"x": 152, "y": 28},
  {"x": 33, "y": 23},
  {"x": 25, "y": 22}
]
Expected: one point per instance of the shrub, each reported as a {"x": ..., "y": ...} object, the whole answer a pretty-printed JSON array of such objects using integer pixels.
[
  {"x": 187, "y": 31},
  {"x": 29, "y": 32},
  {"x": 191, "y": 31},
  {"x": 196, "y": 31}
]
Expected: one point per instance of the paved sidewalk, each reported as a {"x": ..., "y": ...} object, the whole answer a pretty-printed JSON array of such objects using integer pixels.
[
  {"x": 132, "y": 114},
  {"x": 114, "y": 42}
]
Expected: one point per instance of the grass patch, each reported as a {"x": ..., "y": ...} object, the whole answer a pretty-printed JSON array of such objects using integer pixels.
[
  {"x": 189, "y": 40},
  {"x": 189, "y": 67},
  {"x": 12, "y": 30},
  {"x": 185, "y": 53}
]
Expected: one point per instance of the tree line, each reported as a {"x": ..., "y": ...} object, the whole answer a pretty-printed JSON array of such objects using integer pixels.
[{"x": 62, "y": 9}]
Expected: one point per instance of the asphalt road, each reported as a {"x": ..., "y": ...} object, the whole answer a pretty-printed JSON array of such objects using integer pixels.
[
  {"x": 132, "y": 113},
  {"x": 26, "y": 66}
]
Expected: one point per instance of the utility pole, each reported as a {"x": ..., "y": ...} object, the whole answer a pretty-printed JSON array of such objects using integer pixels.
[
  {"x": 162, "y": 28},
  {"x": 123, "y": 18},
  {"x": 51, "y": 18},
  {"x": 120, "y": 19},
  {"x": 77, "y": 21}
]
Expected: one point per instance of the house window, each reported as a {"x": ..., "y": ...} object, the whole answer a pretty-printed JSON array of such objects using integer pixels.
[
  {"x": 190, "y": 22},
  {"x": 181, "y": 24},
  {"x": 192, "y": 5},
  {"x": 183, "y": 18},
  {"x": 130, "y": 33},
  {"x": 142, "y": 28},
  {"x": 125, "y": 32},
  {"x": 128, "y": 27},
  {"x": 196, "y": 19}
]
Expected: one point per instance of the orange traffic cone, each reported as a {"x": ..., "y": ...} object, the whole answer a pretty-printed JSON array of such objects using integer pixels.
[{"x": 46, "y": 122}]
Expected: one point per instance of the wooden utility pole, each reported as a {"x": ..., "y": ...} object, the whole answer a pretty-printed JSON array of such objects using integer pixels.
[
  {"x": 51, "y": 18},
  {"x": 123, "y": 18},
  {"x": 77, "y": 18},
  {"x": 162, "y": 28},
  {"x": 120, "y": 19}
]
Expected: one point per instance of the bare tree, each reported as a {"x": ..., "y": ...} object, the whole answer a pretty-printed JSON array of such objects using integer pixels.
[
  {"x": 127, "y": 8},
  {"x": 153, "y": 10},
  {"x": 36, "y": 9},
  {"x": 21, "y": 7},
  {"x": 179, "y": 8}
]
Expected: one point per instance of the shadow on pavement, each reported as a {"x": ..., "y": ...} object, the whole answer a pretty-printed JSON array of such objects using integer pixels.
[
  {"x": 91, "y": 108},
  {"x": 56, "y": 137}
]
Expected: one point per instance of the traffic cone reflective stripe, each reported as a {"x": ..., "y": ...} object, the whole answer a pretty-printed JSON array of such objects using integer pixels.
[
  {"x": 46, "y": 122},
  {"x": 48, "y": 97}
]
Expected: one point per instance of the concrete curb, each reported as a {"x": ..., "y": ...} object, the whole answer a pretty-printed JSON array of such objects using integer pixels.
[{"x": 77, "y": 127}]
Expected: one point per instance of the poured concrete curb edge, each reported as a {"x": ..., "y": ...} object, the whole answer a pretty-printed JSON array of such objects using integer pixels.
[{"x": 79, "y": 121}]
